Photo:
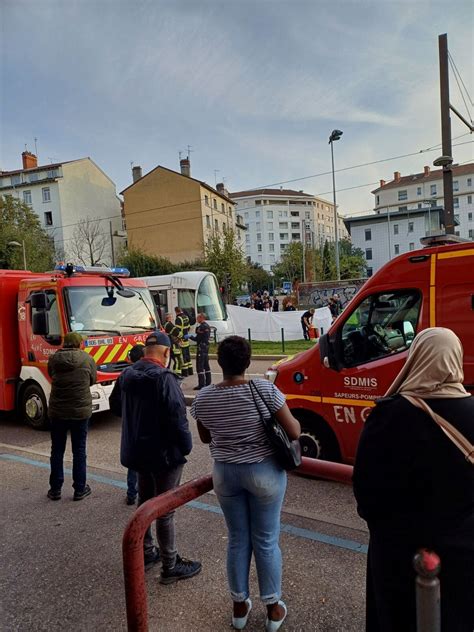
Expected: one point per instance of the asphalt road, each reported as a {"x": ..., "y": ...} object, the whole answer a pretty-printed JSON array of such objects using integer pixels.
[{"x": 61, "y": 564}]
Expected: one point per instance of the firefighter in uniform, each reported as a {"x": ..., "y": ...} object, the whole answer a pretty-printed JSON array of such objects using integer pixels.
[
  {"x": 182, "y": 323},
  {"x": 176, "y": 355},
  {"x": 201, "y": 338}
]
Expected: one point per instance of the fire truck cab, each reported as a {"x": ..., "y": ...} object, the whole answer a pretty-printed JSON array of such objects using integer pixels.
[
  {"x": 331, "y": 388},
  {"x": 111, "y": 312}
]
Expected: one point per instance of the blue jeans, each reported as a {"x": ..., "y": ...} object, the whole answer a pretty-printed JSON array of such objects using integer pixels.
[
  {"x": 251, "y": 496},
  {"x": 59, "y": 430},
  {"x": 132, "y": 482}
]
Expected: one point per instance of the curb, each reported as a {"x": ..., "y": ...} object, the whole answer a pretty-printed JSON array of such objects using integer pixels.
[{"x": 213, "y": 356}]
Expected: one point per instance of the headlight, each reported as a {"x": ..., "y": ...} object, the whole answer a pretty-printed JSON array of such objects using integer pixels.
[
  {"x": 271, "y": 375},
  {"x": 95, "y": 395}
]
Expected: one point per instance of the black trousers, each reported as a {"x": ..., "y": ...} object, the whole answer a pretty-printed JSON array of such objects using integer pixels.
[{"x": 202, "y": 365}]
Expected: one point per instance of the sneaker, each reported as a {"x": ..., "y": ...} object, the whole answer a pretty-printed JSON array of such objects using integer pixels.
[
  {"x": 130, "y": 500},
  {"x": 54, "y": 494},
  {"x": 87, "y": 491},
  {"x": 152, "y": 558},
  {"x": 183, "y": 569}
]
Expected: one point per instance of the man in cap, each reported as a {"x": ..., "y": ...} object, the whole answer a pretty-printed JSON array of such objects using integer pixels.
[
  {"x": 307, "y": 322},
  {"x": 203, "y": 334},
  {"x": 72, "y": 373},
  {"x": 155, "y": 441}
]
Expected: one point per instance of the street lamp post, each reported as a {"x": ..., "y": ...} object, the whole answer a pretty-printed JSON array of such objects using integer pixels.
[
  {"x": 335, "y": 135},
  {"x": 18, "y": 245}
]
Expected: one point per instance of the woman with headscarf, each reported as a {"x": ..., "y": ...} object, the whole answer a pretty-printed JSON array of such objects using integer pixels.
[{"x": 415, "y": 488}]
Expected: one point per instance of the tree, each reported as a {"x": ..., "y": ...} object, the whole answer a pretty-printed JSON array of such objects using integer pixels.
[
  {"x": 290, "y": 266},
  {"x": 225, "y": 259},
  {"x": 257, "y": 277},
  {"x": 352, "y": 261},
  {"x": 18, "y": 222},
  {"x": 89, "y": 244},
  {"x": 141, "y": 264}
]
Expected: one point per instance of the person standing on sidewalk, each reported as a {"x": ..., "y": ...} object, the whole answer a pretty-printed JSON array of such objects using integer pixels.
[
  {"x": 72, "y": 373},
  {"x": 203, "y": 334},
  {"x": 307, "y": 322},
  {"x": 136, "y": 353},
  {"x": 176, "y": 355},
  {"x": 155, "y": 440},
  {"x": 248, "y": 481},
  {"x": 183, "y": 326}
]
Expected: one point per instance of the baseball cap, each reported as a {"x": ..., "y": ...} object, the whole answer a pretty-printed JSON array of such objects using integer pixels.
[{"x": 158, "y": 338}]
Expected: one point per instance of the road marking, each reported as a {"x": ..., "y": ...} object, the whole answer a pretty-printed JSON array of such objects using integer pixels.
[{"x": 306, "y": 534}]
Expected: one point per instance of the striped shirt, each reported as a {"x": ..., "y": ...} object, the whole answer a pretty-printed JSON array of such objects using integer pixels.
[{"x": 232, "y": 418}]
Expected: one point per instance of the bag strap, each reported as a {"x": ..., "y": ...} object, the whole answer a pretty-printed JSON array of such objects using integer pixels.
[
  {"x": 253, "y": 387},
  {"x": 459, "y": 440}
]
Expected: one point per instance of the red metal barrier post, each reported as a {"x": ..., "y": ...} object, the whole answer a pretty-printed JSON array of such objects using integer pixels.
[
  {"x": 428, "y": 616},
  {"x": 132, "y": 546},
  {"x": 326, "y": 469}
]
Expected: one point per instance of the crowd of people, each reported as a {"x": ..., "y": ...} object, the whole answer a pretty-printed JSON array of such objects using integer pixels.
[
  {"x": 263, "y": 301},
  {"x": 421, "y": 496}
]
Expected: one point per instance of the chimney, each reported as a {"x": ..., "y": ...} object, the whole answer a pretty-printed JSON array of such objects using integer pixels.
[
  {"x": 427, "y": 170},
  {"x": 220, "y": 188},
  {"x": 396, "y": 176},
  {"x": 136, "y": 173},
  {"x": 382, "y": 183},
  {"x": 185, "y": 165},
  {"x": 30, "y": 161}
]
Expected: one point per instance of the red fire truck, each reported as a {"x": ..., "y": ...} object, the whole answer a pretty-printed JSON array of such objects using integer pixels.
[
  {"x": 331, "y": 388},
  {"x": 111, "y": 311}
]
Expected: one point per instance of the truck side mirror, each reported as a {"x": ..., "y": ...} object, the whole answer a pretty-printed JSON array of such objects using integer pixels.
[
  {"x": 38, "y": 300},
  {"x": 40, "y": 323},
  {"x": 327, "y": 353}
]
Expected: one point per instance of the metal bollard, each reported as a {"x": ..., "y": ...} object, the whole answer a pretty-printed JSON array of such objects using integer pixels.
[
  {"x": 282, "y": 340},
  {"x": 428, "y": 612},
  {"x": 250, "y": 337}
]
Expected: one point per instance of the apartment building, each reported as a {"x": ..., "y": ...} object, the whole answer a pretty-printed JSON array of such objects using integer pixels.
[
  {"x": 276, "y": 217},
  {"x": 408, "y": 208},
  {"x": 63, "y": 194},
  {"x": 172, "y": 215}
]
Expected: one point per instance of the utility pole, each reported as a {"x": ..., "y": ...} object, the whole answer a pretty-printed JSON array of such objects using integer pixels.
[
  {"x": 447, "y": 158},
  {"x": 303, "y": 226}
]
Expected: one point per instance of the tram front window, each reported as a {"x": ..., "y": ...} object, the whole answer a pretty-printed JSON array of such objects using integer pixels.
[
  {"x": 209, "y": 299},
  {"x": 186, "y": 302}
]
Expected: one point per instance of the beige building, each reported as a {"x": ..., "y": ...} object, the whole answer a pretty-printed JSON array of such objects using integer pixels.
[{"x": 172, "y": 215}]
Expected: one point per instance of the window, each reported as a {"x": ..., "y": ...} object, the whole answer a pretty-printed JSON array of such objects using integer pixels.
[
  {"x": 456, "y": 202},
  {"x": 395, "y": 229},
  {"x": 419, "y": 205},
  {"x": 418, "y": 190},
  {"x": 368, "y": 254},
  {"x": 48, "y": 218},
  {"x": 15, "y": 180},
  {"x": 270, "y": 225},
  {"x": 457, "y": 233},
  {"x": 283, "y": 236},
  {"x": 271, "y": 247},
  {"x": 410, "y": 227},
  {"x": 283, "y": 247},
  {"x": 368, "y": 234},
  {"x": 433, "y": 189},
  {"x": 247, "y": 238},
  {"x": 269, "y": 214},
  {"x": 469, "y": 199},
  {"x": 27, "y": 197},
  {"x": 411, "y": 246},
  {"x": 271, "y": 236},
  {"x": 369, "y": 272},
  {"x": 259, "y": 236},
  {"x": 54, "y": 326},
  {"x": 381, "y": 325},
  {"x": 33, "y": 177},
  {"x": 214, "y": 201},
  {"x": 403, "y": 209},
  {"x": 216, "y": 228},
  {"x": 208, "y": 221},
  {"x": 224, "y": 226},
  {"x": 46, "y": 194},
  {"x": 469, "y": 182},
  {"x": 469, "y": 217},
  {"x": 53, "y": 173},
  {"x": 259, "y": 247},
  {"x": 470, "y": 232},
  {"x": 257, "y": 226},
  {"x": 295, "y": 224},
  {"x": 377, "y": 200},
  {"x": 307, "y": 215},
  {"x": 295, "y": 236},
  {"x": 257, "y": 214},
  {"x": 272, "y": 258},
  {"x": 455, "y": 185},
  {"x": 206, "y": 200},
  {"x": 258, "y": 202},
  {"x": 230, "y": 211},
  {"x": 283, "y": 225},
  {"x": 396, "y": 249},
  {"x": 402, "y": 195},
  {"x": 222, "y": 208},
  {"x": 246, "y": 215}
]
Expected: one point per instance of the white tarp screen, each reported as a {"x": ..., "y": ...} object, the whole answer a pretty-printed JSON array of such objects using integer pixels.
[{"x": 267, "y": 325}]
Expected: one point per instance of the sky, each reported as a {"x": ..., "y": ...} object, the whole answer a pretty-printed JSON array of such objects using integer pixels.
[{"x": 253, "y": 87}]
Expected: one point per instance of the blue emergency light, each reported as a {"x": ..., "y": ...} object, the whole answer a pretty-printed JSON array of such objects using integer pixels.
[{"x": 70, "y": 268}]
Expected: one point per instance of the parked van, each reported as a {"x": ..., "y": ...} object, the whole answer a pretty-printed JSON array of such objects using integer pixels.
[{"x": 331, "y": 388}]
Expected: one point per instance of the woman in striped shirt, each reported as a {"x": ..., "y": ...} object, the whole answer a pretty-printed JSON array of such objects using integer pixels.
[{"x": 248, "y": 481}]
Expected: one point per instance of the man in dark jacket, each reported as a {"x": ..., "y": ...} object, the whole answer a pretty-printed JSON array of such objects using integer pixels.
[
  {"x": 203, "y": 334},
  {"x": 155, "y": 440},
  {"x": 72, "y": 373}
]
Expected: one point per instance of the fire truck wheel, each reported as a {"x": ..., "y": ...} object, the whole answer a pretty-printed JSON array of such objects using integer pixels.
[
  {"x": 317, "y": 440},
  {"x": 34, "y": 407},
  {"x": 310, "y": 445}
]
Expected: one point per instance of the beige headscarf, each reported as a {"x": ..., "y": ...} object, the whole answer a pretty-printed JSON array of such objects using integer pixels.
[{"x": 433, "y": 368}]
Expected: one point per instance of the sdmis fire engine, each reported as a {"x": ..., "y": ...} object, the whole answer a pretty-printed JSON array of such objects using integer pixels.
[
  {"x": 110, "y": 311},
  {"x": 331, "y": 388}
]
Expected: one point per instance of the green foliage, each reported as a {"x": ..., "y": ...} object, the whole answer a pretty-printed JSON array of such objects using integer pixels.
[
  {"x": 141, "y": 264},
  {"x": 321, "y": 262},
  {"x": 257, "y": 277},
  {"x": 18, "y": 222},
  {"x": 290, "y": 266},
  {"x": 225, "y": 259}
]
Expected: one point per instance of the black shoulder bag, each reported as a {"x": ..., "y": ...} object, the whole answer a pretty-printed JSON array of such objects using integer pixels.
[{"x": 287, "y": 453}]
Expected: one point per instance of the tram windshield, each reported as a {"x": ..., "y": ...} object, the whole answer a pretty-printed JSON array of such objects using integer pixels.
[{"x": 209, "y": 299}]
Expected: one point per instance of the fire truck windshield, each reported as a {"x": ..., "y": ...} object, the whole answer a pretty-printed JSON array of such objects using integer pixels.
[{"x": 95, "y": 309}]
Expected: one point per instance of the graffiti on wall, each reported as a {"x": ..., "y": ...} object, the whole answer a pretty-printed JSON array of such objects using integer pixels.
[{"x": 318, "y": 294}]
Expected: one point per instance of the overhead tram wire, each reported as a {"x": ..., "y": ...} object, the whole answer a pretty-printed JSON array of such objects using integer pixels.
[
  {"x": 316, "y": 175},
  {"x": 460, "y": 76},
  {"x": 461, "y": 92}
]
